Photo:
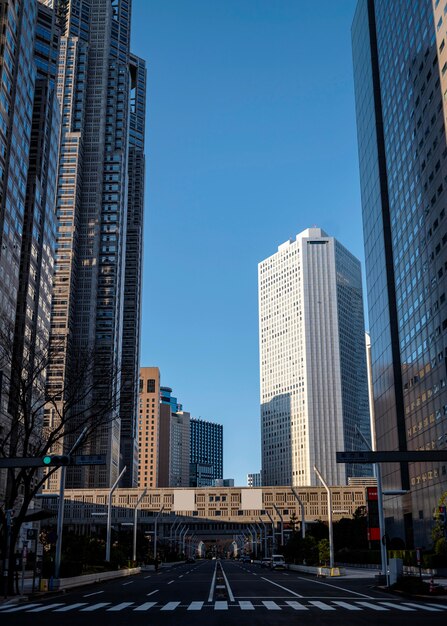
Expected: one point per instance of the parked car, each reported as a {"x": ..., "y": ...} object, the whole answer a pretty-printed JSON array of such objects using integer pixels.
[
  {"x": 246, "y": 559},
  {"x": 190, "y": 559},
  {"x": 277, "y": 562},
  {"x": 265, "y": 562}
]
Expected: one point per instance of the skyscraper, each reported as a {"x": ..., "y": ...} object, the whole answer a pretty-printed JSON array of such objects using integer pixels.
[
  {"x": 400, "y": 74},
  {"x": 96, "y": 75},
  {"x": 130, "y": 363},
  {"x": 174, "y": 442},
  {"x": 206, "y": 461},
  {"x": 29, "y": 132},
  {"x": 312, "y": 359},
  {"x": 148, "y": 427}
]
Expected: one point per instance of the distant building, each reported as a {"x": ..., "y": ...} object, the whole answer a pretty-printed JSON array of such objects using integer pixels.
[
  {"x": 314, "y": 388},
  {"x": 206, "y": 460},
  {"x": 223, "y": 482},
  {"x": 148, "y": 426},
  {"x": 254, "y": 480},
  {"x": 174, "y": 442}
]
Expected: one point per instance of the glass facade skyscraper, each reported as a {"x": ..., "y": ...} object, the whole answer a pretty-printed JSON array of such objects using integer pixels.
[
  {"x": 400, "y": 65},
  {"x": 100, "y": 87},
  {"x": 29, "y": 131},
  {"x": 206, "y": 460}
]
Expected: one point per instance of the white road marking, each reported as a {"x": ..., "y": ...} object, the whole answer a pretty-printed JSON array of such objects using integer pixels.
[
  {"x": 152, "y": 592},
  {"x": 297, "y": 606},
  {"x": 45, "y": 607},
  {"x": 70, "y": 607},
  {"x": 181, "y": 576},
  {"x": 442, "y": 606},
  {"x": 195, "y": 606},
  {"x": 230, "y": 593},
  {"x": 424, "y": 607},
  {"x": 131, "y": 582},
  {"x": 375, "y": 607},
  {"x": 348, "y": 591},
  {"x": 121, "y": 606},
  {"x": 146, "y": 577},
  {"x": 397, "y": 606},
  {"x": 95, "y": 593},
  {"x": 322, "y": 605},
  {"x": 221, "y": 605},
  {"x": 271, "y": 606},
  {"x": 145, "y": 607},
  {"x": 170, "y": 606},
  {"x": 211, "y": 593},
  {"x": 297, "y": 595},
  {"x": 95, "y": 607},
  {"x": 23, "y": 607},
  {"x": 246, "y": 605},
  {"x": 345, "y": 605},
  {"x": 170, "y": 582}
]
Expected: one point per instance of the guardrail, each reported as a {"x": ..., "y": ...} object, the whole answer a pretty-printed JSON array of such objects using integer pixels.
[{"x": 87, "y": 579}]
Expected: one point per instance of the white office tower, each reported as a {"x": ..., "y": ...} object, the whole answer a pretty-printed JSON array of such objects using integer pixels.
[{"x": 314, "y": 388}]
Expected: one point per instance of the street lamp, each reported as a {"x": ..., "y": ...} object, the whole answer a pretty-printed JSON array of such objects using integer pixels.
[
  {"x": 155, "y": 531},
  {"x": 135, "y": 514},
  {"x": 109, "y": 514},
  {"x": 329, "y": 514}
]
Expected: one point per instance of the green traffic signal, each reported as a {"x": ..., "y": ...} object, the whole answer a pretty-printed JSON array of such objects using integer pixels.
[{"x": 56, "y": 460}]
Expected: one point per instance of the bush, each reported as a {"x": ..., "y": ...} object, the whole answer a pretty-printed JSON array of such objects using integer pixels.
[
  {"x": 70, "y": 568},
  {"x": 364, "y": 557},
  {"x": 412, "y": 585}
]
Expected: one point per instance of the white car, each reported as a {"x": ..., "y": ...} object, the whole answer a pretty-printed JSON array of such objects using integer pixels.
[{"x": 277, "y": 561}]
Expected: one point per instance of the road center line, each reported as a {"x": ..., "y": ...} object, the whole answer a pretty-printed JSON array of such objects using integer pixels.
[
  {"x": 210, "y": 596},
  {"x": 170, "y": 582},
  {"x": 297, "y": 595},
  {"x": 95, "y": 593},
  {"x": 230, "y": 593},
  {"x": 152, "y": 592},
  {"x": 317, "y": 582}
]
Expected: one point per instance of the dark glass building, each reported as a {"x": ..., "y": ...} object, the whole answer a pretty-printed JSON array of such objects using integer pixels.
[
  {"x": 206, "y": 462},
  {"x": 400, "y": 74},
  {"x": 133, "y": 271},
  {"x": 29, "y": 131}
]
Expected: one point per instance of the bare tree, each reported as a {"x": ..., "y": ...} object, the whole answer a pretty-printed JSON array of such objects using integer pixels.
[{"x": 41, "y": 414}]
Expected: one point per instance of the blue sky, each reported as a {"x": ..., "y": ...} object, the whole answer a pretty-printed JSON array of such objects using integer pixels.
[{"x": 251, "y": 138}]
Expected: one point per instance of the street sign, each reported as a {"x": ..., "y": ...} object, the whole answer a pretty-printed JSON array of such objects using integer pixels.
[
  {"x": 31, "y": 534},
  {"x": 405, "y": 456}
]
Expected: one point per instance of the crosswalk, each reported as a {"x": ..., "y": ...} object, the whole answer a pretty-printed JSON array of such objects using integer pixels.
[{"x": 223, "y": 605}]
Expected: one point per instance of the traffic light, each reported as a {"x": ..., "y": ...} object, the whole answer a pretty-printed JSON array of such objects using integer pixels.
[
  {"x": 56, "y": 460},
  {"x": 443, "y": 515}
]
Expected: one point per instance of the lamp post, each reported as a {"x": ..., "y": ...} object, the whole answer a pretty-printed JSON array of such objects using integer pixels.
[
  {"x": 156, "y": 531},
  {"x": 282, "y": 524},
  {"x": 303, "y": 519},
  {"x": 378, "y": 473},
  {"x": 60, "y": 509},
  {"x": 329, "y": 514},
  {"x": 109, "y": 514},
  {"x": 274, "y": 541},
  {"x": 265, "y": 537},
  {"x": 135, "y": 514}
]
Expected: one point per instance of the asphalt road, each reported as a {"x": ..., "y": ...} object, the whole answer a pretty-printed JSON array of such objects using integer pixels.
[{"x": 222, "y": 593}]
